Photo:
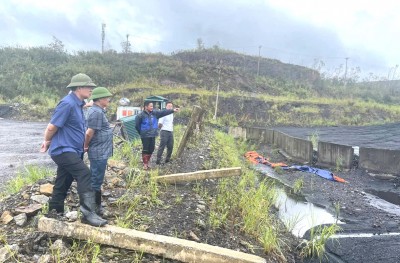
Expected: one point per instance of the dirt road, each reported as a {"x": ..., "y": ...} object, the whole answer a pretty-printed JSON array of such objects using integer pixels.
[{"x": 20, "y": 144}]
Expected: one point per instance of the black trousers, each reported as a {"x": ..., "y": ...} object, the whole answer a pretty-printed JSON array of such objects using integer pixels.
[
  {"x": 149, "y": 144},
  {"x": 70, "y": 167},
  {"x": 166, "y": 139}
]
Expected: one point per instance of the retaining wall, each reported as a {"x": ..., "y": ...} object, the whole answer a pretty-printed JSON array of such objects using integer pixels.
[
  {"x": 332, "y": 154},
  {"x": 298, "y": 149},
  {"x": 259, "y": 134},
  {"x": 237, "y": 132},
  {"x": 380, "y": 160},
  {"x": 329, "y": 154}
]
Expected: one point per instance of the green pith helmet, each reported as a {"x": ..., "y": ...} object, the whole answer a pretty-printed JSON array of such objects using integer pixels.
[
  {"x": 99, "y": 93},
  {"x": 81, "y": 80}
]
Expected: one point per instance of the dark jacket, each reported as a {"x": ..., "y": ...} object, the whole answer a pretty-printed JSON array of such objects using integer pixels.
[{"x": 146, "y": 123}]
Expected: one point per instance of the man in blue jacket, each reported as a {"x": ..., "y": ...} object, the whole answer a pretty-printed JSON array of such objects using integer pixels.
[{"x": 147, "y": 127}]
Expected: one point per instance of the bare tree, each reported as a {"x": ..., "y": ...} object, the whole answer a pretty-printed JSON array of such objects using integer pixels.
[{"x": 57, "y": 45}]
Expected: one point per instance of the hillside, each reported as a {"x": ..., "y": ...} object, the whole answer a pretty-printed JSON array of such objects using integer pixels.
[{"x": 252, "y": 89}]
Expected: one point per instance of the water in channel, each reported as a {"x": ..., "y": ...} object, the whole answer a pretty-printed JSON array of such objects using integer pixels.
[{"x": 295, "y": 212}]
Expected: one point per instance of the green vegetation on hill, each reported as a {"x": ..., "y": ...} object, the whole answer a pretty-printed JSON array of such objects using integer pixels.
[{"x": 274, "y": 93}]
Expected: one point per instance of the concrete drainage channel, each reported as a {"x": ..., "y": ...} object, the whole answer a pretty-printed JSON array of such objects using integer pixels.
[{"x": 349, "y": 245}]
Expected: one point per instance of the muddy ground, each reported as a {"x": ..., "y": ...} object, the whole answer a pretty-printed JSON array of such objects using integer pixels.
[{"x": 360, "y": 210}]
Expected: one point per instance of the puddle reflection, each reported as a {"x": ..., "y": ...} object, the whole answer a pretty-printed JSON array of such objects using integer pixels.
[
  {"x": 297, "y": 214},
  {"x": 300, "y": 216}
]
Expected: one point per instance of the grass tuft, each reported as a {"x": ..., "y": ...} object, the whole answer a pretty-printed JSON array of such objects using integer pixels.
[{"x": 29, "y": 174}]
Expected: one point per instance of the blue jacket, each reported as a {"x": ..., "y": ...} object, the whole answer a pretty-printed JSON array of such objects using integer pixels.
[
  {"x": 69, "y": 119},
  {"x": 146, "y": 123}
]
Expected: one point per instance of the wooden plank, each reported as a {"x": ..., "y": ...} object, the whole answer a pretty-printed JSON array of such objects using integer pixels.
[
  {"x": 195, "y": 121},
  {"x": 165, "y": 246},
  {"x": 200, "y": 175}
]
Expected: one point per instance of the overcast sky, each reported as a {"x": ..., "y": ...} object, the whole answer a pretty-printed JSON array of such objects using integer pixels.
[{"x": 367, "y": 32}]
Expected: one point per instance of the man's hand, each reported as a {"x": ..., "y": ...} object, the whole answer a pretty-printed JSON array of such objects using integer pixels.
[
  {"x": 48, "y": 135},
  {"x": 160, "y": 125},
  {"x": 176, "y": 109},
  {"x": 45, "y": 146}
]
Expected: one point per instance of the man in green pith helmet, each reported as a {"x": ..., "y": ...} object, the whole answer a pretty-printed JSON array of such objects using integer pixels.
[
  {"x": 64, "y": 138},
  {"x": 98, "y": 140}
]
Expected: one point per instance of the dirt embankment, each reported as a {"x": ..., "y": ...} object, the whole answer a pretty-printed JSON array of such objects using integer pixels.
[{"x": 255, "y": 111}]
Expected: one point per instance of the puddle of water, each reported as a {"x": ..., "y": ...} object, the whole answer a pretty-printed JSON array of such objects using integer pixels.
[{"x": 298, "y": 215}]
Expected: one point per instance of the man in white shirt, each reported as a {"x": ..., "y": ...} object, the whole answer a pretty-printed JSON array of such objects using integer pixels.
[{"x": 166, "y": 124}]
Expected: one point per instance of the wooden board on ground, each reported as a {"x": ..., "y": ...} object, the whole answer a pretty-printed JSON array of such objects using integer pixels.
[
  {"x": 165, "y": 246},
  {"x": 200, "y": 175}
]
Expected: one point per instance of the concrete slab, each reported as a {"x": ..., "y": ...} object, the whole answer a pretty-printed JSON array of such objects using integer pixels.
[
  {"x": 380, "y": 160},
  {"x": 168, "y": 247},
  {"x": 333, "y": 154}
]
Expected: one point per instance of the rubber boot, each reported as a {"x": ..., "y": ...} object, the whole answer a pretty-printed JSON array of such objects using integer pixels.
[
  {"x": 145, "y": 162},
  {"x": 148, "y": 160},
  {"x": 99, "y": 208},
  {"x": 88, "y": 210},
  {"x": 56, "y": 209},
  {"x": 59, "y": 207}
]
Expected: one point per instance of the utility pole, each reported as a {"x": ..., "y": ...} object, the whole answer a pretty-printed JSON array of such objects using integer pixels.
[
  {"x": 259, "y": 56},
  {"x": 345, "y": 73},
  {"x": 103, "y": 36},
  {"x": 394, "y": 72},
  {"x": 127, "y": 45},
  {"x": 216, "y": 101}
]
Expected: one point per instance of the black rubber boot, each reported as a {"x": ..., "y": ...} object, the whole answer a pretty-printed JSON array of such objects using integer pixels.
[
  {"x": 88, "y": 210},
  {"x": 56, "y": 210},
  {"x": 59, "y": 207},
  {"x": 99, "y": 208}
]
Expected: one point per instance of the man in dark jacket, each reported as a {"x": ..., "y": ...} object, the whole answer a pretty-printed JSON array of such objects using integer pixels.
[{"x": 147, "y": 127}]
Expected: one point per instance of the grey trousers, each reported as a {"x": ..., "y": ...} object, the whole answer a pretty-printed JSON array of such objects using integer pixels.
[{"x": 166, "y": 139}]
